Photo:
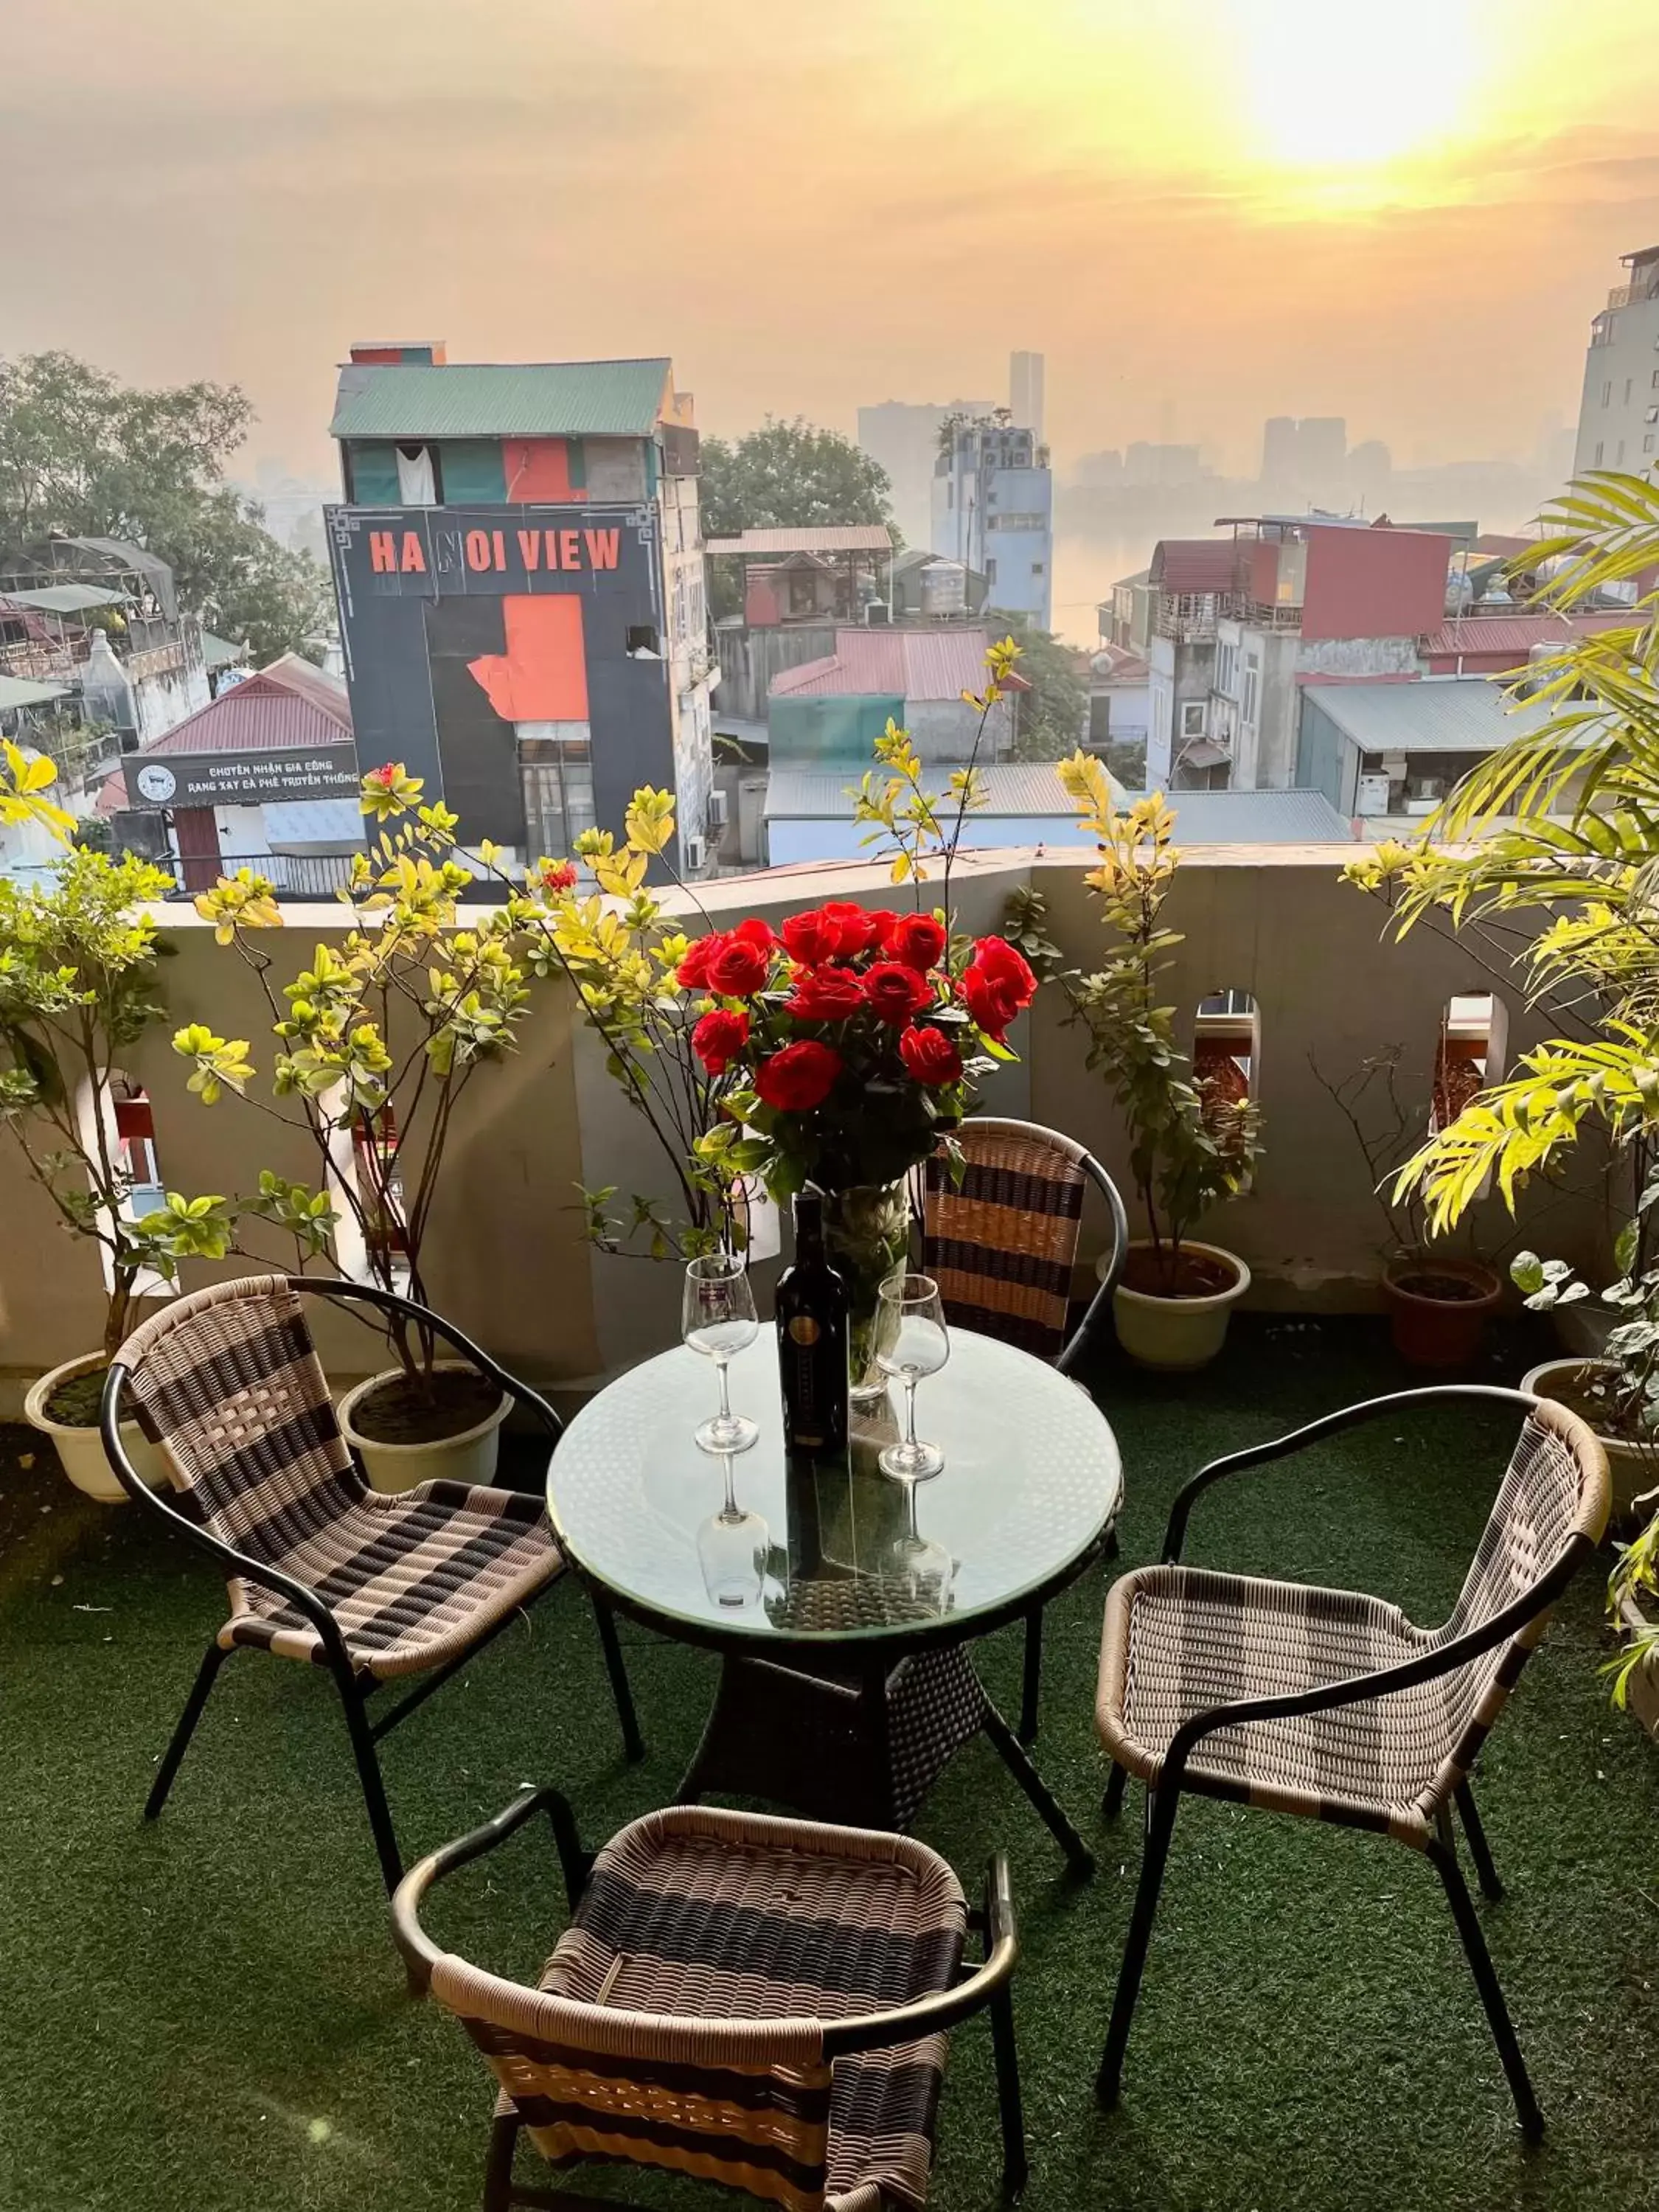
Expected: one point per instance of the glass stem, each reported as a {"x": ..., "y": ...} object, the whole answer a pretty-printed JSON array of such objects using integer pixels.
[
  {"x": 731, "y": 1489},
  {"x": 725, "y": 1402},
  {"x": 910, "y": 1414}
]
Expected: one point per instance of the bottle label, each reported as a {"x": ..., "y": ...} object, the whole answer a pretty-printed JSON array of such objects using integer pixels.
[{"x": 804, "y": 1329}]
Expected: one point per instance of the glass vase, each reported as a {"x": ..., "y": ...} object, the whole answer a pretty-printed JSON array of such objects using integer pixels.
[{"x": 867, "y": 1234}]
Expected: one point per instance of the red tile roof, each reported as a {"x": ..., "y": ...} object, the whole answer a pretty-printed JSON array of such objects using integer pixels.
[
  {"x": 290, "y": 707},
  {"x": 1512, "y": 633},
  {"x": 919, "y": 664},
  {"x": 1194, "y": 565}
]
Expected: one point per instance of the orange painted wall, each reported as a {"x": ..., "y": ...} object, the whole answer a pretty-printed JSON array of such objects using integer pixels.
[
  {"x": 543, "y": 675},
  {"x": 537, "y": 469}
]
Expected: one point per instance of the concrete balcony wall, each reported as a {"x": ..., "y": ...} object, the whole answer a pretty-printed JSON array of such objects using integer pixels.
[{"x": 506, "y": 1256}]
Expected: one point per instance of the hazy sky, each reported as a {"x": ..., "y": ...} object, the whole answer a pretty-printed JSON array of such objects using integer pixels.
[{"x": 1204, "y": 211}]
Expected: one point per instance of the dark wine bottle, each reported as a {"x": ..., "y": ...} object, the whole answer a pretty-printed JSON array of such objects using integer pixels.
[{"x": 812, "y": 1311}]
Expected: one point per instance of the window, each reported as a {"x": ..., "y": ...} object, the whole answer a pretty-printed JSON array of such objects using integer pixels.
[
  {"x": 1647, "y": 443},
  {"x": 1607, "y": 395},
  {"x": 1038, "y": 569},
  {"x": 1618, "y": 457},
  {"x": 1655, "y": 373},
  {"x": 1226, "y": 667},
  {"x": 1598, "y": 453},
  {"x": 1250, "y": 697},
  {"x": 990, "y": 572},
  {"x": 641, "y": 638},
  {"x": 417, "y": 475},
  {"x": 1192, "y": 719},
  {"x": 557, "y": 778},
  {"x": 1652, "y": 415},
  {"x": 1628, "y": 382},
  {"x": 1016, "y": 522}
]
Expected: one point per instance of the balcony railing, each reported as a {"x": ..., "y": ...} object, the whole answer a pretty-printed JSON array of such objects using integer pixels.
[{"x": 295, "y": 875}]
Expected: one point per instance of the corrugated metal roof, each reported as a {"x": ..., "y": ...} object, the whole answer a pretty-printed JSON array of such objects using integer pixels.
[
  {"x": 1012, "y": 789},
  {"x": 1514, "y": 632},
  {"x": 1441, "y": 715},
  {"x": 825, "y": 538},
  {"x": 921, "y": 665},
  {"x": 220, "y": 652},
  {"x": 68, "y": 598},
  {"x": 19, "y": 691},
  {"x": 502, "y": 400},
  {"x": 1193, "y": 566}
]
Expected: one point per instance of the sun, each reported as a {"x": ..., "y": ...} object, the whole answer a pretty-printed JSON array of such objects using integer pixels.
[{"x": 1342, "y": 84}]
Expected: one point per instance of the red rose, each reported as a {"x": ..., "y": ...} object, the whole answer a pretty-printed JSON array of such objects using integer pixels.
[
  {"x": 559, "y": 876},
  {"x": 799, "y": 1078},
  {"x": 1007, "y": 967},
  {"x": 738, "y": 968},
  {"x": 894, "y": 992},
  {"x": 719, "y": 1037},
  {"x": 856, "y": 930},
  {"x": 812, "y": 938},
  {"x": 886, "y": 921},
  {"x": 825, "y": 994},
  {"x": 755, "y": 931},
  {"x": 930, "y": 1056},
  {"x": 918, "y": 940},
  {"x": 693, "y": 971},
  {"x": 991, "y": 1004}
]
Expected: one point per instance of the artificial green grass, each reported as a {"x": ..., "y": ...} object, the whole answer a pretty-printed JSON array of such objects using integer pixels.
[{"x": 207, "y": 2012}]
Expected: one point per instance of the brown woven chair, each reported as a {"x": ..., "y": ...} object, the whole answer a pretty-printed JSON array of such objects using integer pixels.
[
  {"x": 758, "y": 2001},
  {"x": 319, "y": 1567},
  {"x": 1334, "y": 1703},
  {"x": 1000, "y": 1240}
]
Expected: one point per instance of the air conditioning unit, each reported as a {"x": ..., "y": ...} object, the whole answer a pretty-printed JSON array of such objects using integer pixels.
[
  {"x": 717, "y": 810},
  {"x": 696, "y": 855}
]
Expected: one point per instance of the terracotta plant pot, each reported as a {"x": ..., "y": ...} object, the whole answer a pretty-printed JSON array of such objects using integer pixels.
[
  {"x": 1634, "y": 1468},
  {"x": 81, "y": 1451},
  {"x": 1432, "y": 1326},
  {"x": 1178, "y": 1334},
  {"x": 468, "y": 1457}
]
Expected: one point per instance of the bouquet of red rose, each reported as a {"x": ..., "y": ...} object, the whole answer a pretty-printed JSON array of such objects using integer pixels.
[{"x": 853, "y": 1035}]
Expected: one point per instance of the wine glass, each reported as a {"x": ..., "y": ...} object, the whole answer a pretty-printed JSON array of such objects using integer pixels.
[
  {"x": 719, "y": 1320},
  {"x": 733, "y": 1549},
  {"x": 922, "y": 1571},
  {"x": 910, "y": 1342}
]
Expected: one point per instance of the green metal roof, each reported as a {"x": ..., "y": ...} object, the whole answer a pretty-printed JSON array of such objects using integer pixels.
[
  {"x": 499, "y": 400},
  {"x": 67, "y": 599},
  {"x": 19, "y": 691},
  {"x": 220, "y": 652}
]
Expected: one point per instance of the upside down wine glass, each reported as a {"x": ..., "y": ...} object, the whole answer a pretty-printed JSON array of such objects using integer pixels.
[
  {"x": 719, "y": 1320},
  {"x": 910, "y": 1342}
]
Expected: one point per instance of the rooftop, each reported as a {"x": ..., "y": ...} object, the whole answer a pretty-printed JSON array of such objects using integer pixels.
[
  {"x": 1441, "y": 715},
  {"x": 65, "y": 598},
  {"x": 290, "y": 707},
  {"x": 825, "y": 538},
  {"x": 502, "y": 399},
  {"x": 914, "y": 664},
  {"x": 1513, "y": 633},
  {"x": 1192, "y": 567}
]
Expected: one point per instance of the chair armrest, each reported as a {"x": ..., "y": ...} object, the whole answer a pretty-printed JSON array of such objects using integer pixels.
[
  {"x": 1346, "y": 1417},
  {"x": 420, "y": 1952},
  {"x": 232, "y": 1561},
  {"x": 1101, "y": 1302},
  {"x": 336, "y": 1287},
  {"x": 1356, "y": 1689},
  {"x": 932, "y": 2016}
]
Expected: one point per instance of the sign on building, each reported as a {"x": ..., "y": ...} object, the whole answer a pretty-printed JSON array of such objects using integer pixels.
[{"x": 241, "y": 779}]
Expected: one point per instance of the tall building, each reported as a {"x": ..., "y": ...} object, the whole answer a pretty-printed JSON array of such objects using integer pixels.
[
  {"x": 1305, "y": 463},
  {"x": 993, "y": 511},
  {"x": 1619, "y": 415},
  {"x": 904, "y": 438},
  {"x": 1025, "y": 391},
  {"x": 520, "y": 566}
]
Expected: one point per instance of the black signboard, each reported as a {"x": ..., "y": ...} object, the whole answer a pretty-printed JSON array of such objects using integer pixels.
[{"x": 241, "y": 779}]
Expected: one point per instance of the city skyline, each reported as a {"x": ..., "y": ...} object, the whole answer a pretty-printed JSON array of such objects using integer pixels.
[{"x": 1409, "y": 225}]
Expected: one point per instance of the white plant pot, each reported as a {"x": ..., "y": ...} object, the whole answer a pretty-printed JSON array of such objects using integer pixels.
[
  {"x": 1633, "y": 1468},
  {"x": 469, "y": 1457},
  {"x": 80, "y": 1451},
  {"x": 1178, "y": 1334}
]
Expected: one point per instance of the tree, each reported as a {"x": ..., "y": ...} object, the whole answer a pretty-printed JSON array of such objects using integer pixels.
[
  {"x": 86, "y": 456},
  {"x": 1051, "y": 715},
  {"x": 789, "y": 475}
]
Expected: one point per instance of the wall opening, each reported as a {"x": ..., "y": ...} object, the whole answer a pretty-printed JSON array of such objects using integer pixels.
[
  {"x": 1226, "y": 1056},
  {"x": 1471, "y": 1052}
]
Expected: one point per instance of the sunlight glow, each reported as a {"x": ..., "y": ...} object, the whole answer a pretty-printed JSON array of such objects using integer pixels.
[{"x": 1337, "y": 86}]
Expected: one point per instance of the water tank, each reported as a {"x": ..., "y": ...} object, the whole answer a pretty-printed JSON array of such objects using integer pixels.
[
  {"x": 106, "y": 693},
  {"x": 944, "y": 587}
]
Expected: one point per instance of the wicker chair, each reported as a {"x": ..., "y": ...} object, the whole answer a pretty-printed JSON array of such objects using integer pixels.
[
  {"x": 1332, "y": 1704},
  {"x": 758, "y": 2001},
  {"x": 320, "y": 1567},
  {"x": 1000, "y": 1243}
]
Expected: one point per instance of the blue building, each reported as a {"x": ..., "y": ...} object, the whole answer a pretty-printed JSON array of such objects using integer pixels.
[{"x": 994, "y": 499}]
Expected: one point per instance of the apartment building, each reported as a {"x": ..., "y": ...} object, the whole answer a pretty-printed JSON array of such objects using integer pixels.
[
  {"x": 1618, "y": 413},
  {"x": 992, "y": 511}
]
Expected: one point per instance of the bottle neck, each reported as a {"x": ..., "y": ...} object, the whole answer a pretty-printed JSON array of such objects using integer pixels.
[{"x": 809, "y": 1229}]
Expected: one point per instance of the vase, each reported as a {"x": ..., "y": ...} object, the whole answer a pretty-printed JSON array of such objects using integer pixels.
[{"x": 867, "y": 1235}]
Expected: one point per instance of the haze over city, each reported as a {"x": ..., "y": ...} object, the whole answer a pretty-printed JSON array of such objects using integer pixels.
[{"x": 1204, "y": 213}]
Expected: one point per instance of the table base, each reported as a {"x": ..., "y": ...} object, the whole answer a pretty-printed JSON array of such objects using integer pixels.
[{"x": 861, "y": 1749}]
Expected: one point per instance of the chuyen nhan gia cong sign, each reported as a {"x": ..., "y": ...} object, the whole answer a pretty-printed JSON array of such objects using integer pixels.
[{"x": 242, "y": 779}]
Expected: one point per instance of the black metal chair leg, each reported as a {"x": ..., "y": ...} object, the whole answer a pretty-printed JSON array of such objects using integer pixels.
[
  {"x": 1010, "y": 2104},
  {"x": 1160, "y": 1823},
  {"x": 1480, "y": 1851},
  {"x": 633, "y": 1742},
  {"x": 1030, "y": 1693},
  {"x": 206, "y": 1675},
  {"x": 1491, "y": 1996},
  {"x": 369, "y": 1774},
  {"x": 498, "y": 2167},
  {"x": 1079, "y": 1856},
  {"x": 1111, "y": 1548},
  {"x": 1112, "y": 1803}
]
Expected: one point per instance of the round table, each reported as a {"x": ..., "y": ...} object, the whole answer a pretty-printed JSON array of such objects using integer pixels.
[{"x": 845, "y": 1687}]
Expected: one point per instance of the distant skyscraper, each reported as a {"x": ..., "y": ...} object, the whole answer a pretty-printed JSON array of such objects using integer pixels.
[
  {"x": 1305, "y": 462},
  {"x": 1619, "y": 416},
  {"x": 904, "y": 440},
  {"x": 1025, "y": 393}
]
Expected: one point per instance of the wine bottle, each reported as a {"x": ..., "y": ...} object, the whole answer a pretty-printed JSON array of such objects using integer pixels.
[{"x": 811, "y": 1313}]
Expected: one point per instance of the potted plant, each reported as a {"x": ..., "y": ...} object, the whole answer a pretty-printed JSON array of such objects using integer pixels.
[
  {"x": 1558, "y": 825},
  {"x": 1438, "y": 1302},
  {"x": 78, "y": 990},
  {"x": 375, "y": 1044},
  {"x": 1191, "y": 1145}
]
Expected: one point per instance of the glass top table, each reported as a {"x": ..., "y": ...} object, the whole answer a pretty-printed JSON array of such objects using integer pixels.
[{"x": 830, "y": 1551}]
